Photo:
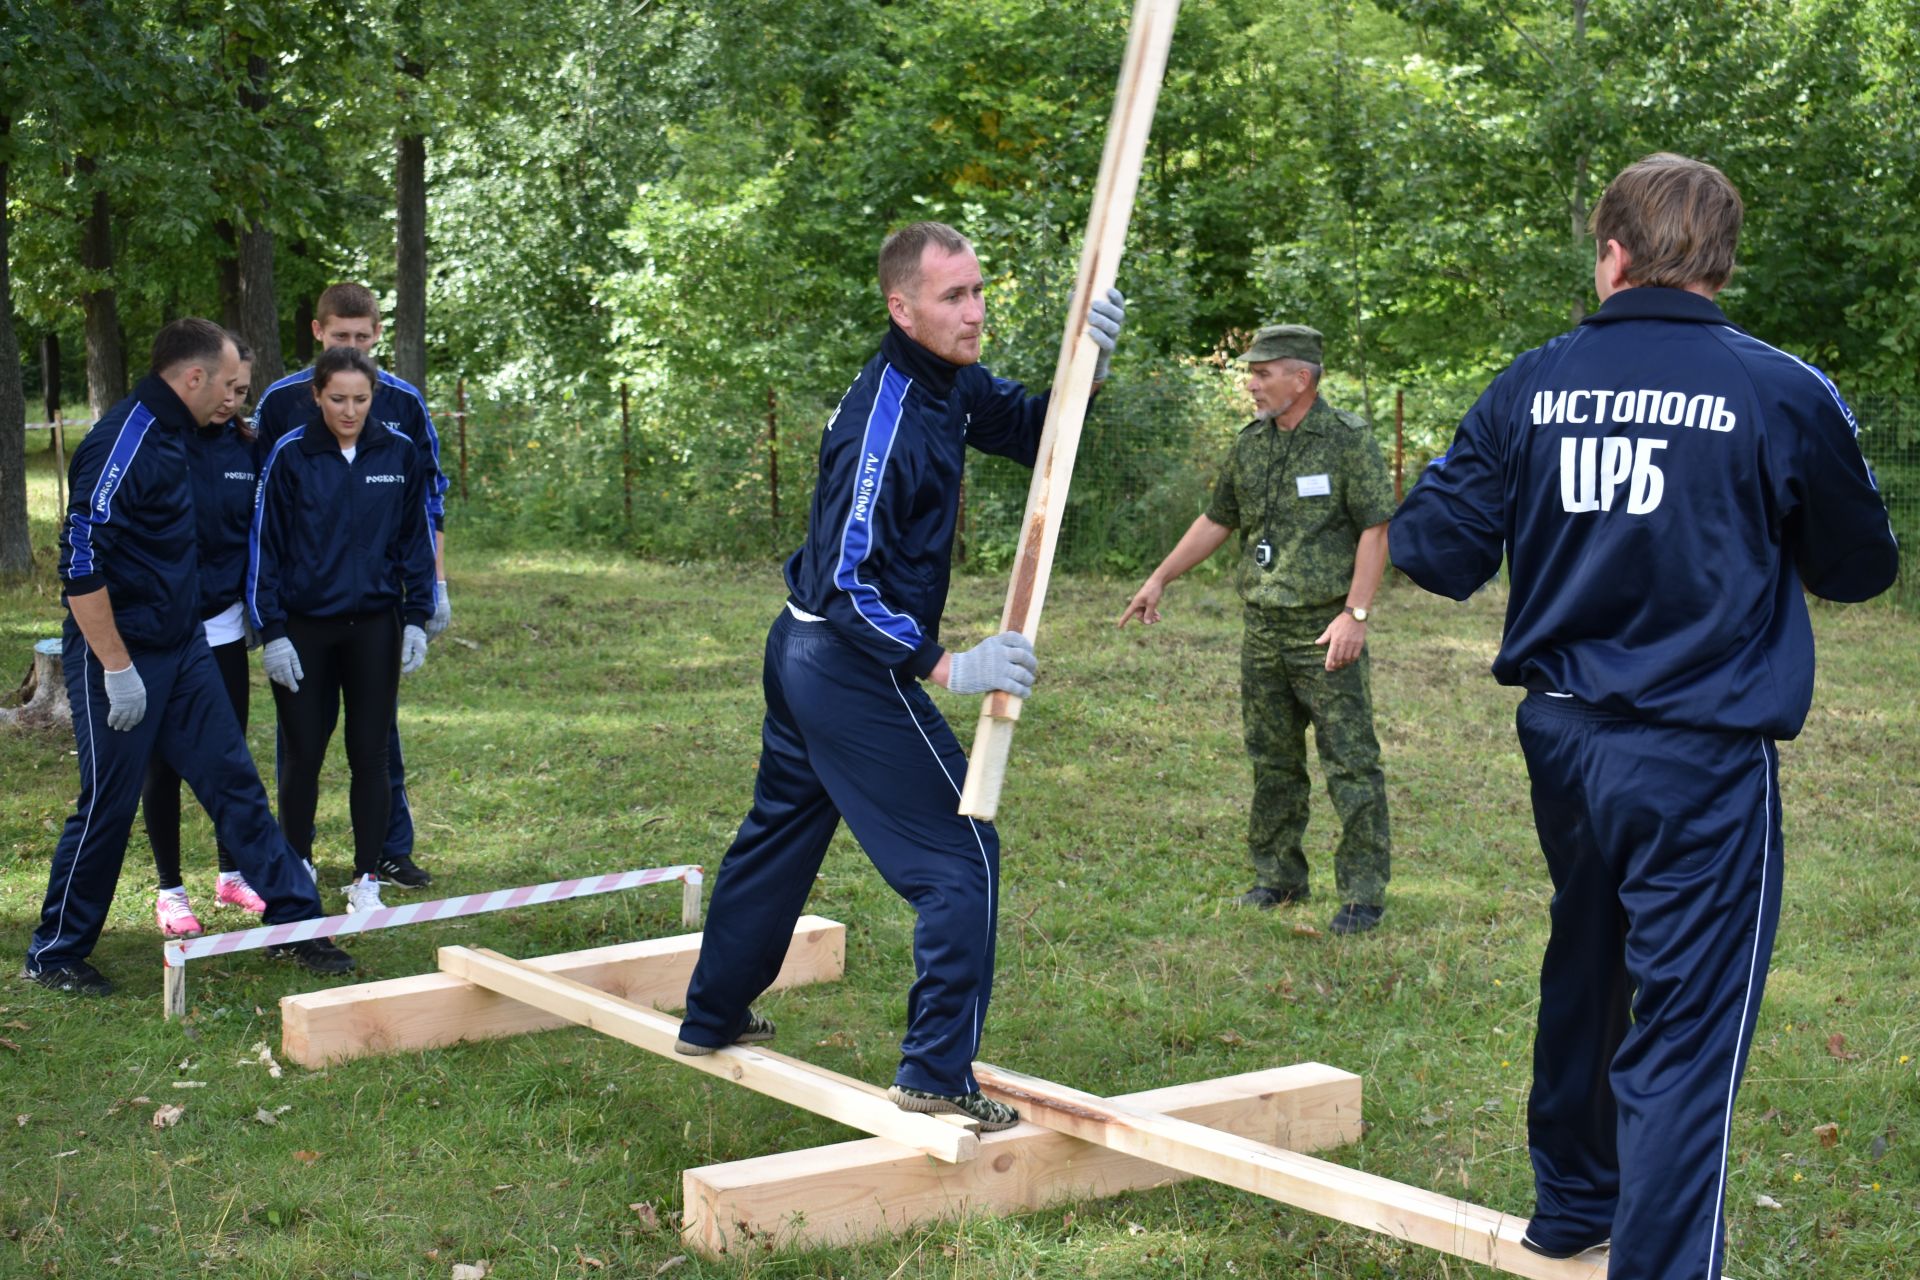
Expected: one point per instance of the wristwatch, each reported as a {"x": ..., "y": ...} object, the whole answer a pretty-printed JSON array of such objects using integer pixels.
[{"x": 1359, "y": 614}]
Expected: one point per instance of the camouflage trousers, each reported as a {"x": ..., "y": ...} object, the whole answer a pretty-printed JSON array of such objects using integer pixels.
[{"x": 1284, "y": 687}]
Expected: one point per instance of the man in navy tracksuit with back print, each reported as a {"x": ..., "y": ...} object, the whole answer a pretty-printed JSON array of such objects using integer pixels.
[
  {"x": 1663, "y": 485},
  {"x": 139, "y": 675},
  {"x": 849, "y": 733}
]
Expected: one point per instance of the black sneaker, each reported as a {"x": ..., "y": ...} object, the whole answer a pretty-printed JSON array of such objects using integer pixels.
[
  {"x": 315, "y": 955},
  {"x": 1267, "y": 899},
  {"x": 756, "y": 1031},
  {"x": 976, "y": 1106},
  {"x": 78, "y": 979},
  {"x": 403, "y": 871},
  {"x": 1355, "y": 917},
  {"x": 1528, "y": 1243}
]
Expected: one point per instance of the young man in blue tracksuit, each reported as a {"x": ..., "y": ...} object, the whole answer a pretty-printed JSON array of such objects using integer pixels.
[
  {"x": 849, "y": 732},
  {"x": 139, "y": 675},
  {"x": 348, "y": 315},
  {"x": 340, "y": 587},
  {"x": 1662, "y": 485}
]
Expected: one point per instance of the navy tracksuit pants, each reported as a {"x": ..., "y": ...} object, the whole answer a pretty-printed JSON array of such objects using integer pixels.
[
  {"x": 399, "y": 838},
  {"x": 846, "y": 738},
  {"x": 191, "y": 726},
  {"x": 1664, "y": 848}
]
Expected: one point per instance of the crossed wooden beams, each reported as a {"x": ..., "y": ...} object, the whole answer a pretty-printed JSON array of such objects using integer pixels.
[{"x": 1248, "y": 1131}]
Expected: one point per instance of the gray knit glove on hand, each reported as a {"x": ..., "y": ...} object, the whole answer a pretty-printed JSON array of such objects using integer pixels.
[{"x": 1003, "y": 663}]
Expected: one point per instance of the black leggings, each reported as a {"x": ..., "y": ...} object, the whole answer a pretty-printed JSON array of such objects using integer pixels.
[
  {"x": 160, "y": 796},
  {"x": 355, "y": 660}
]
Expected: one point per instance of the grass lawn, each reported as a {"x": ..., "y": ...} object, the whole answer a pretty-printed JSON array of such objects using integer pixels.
[{"x": 604, "y": 715}]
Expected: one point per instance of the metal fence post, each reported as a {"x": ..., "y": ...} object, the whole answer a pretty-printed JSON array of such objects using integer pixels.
[
  {"x": 1399, "y": 444},
  {"x": 626, "y": 456}
]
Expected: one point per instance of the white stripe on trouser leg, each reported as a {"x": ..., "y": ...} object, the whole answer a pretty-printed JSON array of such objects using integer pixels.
[
  {"x": 93, "y": 791},
  {"x": 971, "y": 826},
  {"x": 1753, "y": 965}
]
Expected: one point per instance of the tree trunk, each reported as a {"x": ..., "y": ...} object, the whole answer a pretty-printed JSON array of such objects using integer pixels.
[
  {"x": 259, "y": 311},
  {"x": 227, "y": 275},
  {"x": 106, "y": 365},
  {"x": 302, "y": 316},
  {"x": 410, "y": 252},
  {"x": 16, "y": 547},
  {"x": 43, "y": 694},
  {"x": 1577, "y": 201}
]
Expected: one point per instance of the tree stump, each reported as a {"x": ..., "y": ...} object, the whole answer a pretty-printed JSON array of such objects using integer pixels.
[{"x": 43, "y": 694}]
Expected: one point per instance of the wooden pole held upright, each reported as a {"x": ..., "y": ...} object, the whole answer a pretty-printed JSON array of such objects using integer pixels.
[{"x": 1139, "y": 89}]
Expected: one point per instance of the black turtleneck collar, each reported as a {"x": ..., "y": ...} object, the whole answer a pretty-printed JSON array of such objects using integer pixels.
[
  {"x": 167, "y": 408},
  {"x": 1655, "y": 302},
  {"x": 924, "y": 367}
]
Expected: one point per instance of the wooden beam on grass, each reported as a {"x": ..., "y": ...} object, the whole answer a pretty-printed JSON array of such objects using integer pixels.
[
  {"x": 1141, "y": 71},
  {"x": 431, "y": 1010},
  {"x": 1333, "y": 1191},
  {"x": 825, "y": 1093},
  {"x": 854, "y": 1191}
]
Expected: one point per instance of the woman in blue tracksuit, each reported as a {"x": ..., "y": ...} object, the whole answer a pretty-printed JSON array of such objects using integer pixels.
[
  {"x": 340, "y": 586},
  {"x": 220, "y": 468}
]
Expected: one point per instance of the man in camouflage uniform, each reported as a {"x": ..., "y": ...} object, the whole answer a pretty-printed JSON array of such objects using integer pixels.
[{"x": 1308, "y": 490}]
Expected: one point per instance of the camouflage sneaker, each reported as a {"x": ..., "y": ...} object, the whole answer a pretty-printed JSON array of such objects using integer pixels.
[
  {"x": 976, "y": 1106},
  {"x": 755, "y": 1030}
]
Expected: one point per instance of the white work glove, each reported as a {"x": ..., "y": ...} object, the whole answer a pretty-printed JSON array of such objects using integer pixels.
[
  {"x": 413, "y": 649},
  {"x": 126, "y": 698},
  {"x": 1004, "y": 663},
  {"x": 283, "y": 664},
  {"x": 1104, "y": 319},
  {"x": 442, "y": 610}
]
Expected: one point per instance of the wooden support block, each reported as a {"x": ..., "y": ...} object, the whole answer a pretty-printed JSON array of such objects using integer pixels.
[
  {"x": 825, "y": 1093},
  {"x": 853, "y": 1191},
  {"x": 1333, "y": 1191},
  {"x": 173, "y": 991},
  {"x": 403, "y": 1015}
]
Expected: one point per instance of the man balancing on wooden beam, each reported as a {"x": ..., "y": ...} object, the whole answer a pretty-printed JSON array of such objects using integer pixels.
[
  {"x": 849, "y": 731},
  {"x": 1662, "y": 485}
]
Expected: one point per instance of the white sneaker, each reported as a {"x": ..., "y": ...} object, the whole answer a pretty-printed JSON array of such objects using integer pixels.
[{"x": 364, "y": 895}]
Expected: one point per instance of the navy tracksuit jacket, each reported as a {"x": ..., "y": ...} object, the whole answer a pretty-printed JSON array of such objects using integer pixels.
[
  {"x": 130, "y": 528},
  {"x": 399, "y": 406},
  {"x": 1662, "y": 486},
  {"x": 221, "y": 465},
  {"x": 849, "y": 733},
  {"x": 332, "y": 538}
]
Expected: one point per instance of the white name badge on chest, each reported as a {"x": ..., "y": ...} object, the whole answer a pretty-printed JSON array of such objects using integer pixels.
[{"x": 1313, "y": 486}]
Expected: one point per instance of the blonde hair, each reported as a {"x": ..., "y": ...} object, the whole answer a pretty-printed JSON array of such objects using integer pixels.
[
  {"x": 1678, "y": 219},
  {"x": 900, "y": 254}
]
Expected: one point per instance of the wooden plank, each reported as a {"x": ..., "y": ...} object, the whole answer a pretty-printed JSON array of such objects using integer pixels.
[
  {"x": 1141, "y": 70},
  {"x": 173, "y": 992},
  {"x": 1333, "y": 1191},
  {"x": 825, "y": 1093},
  {"x": 854, "y": 1191},
  {"x": 403, "y": 1015}
]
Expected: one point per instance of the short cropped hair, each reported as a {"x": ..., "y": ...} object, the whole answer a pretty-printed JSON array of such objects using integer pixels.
[
  {"x": 1678, "y": 219},
  {"x": 900, "y": 254},
  {"x": 188, "y": 341},
  {"x": 346, "y": 302},
  {"x": 337, "y": 360}
]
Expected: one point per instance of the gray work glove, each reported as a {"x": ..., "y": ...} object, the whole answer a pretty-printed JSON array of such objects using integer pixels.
[
  {"x": 283, "y": 664},
  {"x": 442, "y": 610},
  {"x": 413, "y": 649},
  {"x": 126, "y": 698},
  {"x": 1004, "y": 662},
  {"x": 1104, "y": 319}
]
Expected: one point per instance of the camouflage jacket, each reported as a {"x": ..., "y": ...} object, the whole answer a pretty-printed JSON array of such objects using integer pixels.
[{"x": 1309, "y": 493}]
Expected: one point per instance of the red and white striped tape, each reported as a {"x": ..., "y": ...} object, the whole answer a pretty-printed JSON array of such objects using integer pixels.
[{"x": 180, "y": 951}]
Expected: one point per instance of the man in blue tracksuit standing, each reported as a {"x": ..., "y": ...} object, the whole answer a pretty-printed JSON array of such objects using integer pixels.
[
  {"x": 849, "y": 732},
  {"x": 139, "y": 675},
  {"x": 1663, "y": 485},
  {"x": 348, "y": 315}
]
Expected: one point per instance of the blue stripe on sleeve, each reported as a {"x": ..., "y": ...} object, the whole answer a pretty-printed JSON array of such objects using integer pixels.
[
  {"x": 82, "y": 563},
  {"x": 259, "y": 519},
  {"x": 856, "y": 536}
]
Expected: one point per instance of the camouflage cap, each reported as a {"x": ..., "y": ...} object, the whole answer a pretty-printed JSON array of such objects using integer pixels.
[{"x": 1284, "y": 342}]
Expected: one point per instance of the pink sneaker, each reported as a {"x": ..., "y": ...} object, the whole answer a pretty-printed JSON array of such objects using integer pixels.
[
  {"x": 238, "y": 893},
  {"x": 175, "y": 916}
]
